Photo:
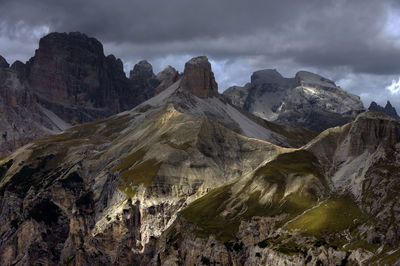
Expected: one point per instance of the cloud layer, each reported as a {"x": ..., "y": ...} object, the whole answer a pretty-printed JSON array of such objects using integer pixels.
[{"x": 356, "y": 43}]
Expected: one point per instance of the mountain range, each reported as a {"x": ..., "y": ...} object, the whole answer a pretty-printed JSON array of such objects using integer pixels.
[
  {"x": 193, "y": 177},
  {"x": 69, "y": 81},
  {"x": 307, "y": 100}
]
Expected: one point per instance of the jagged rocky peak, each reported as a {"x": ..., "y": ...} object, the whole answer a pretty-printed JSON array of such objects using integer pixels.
[
  {"x": 143, "y": 69},
  {"x": 306, "y": 100},
  {"x": 168, "y": 72},
  {"x": 388, "y": 109},
  {"x": 3, "y": 62},
  {"x": 167, "y": 77},
  {"x": 198, "y": 78}
]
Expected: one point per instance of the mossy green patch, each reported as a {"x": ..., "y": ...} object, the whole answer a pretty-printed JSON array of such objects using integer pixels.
[
  {"x": 130, "y": 160},
  {"x": 390, "y": 259},
  {"x": 206, "y": 214},
  {"x": 32, "y": 175},
  {"x": 300, "y": 163},
  {"x": 333, "y": 215},
  {"x": 211, "y": 214},
  {"x": 135, "y": 171},
  {"x": 290, "y": 248},
  {"x": 143, "y": 172}
]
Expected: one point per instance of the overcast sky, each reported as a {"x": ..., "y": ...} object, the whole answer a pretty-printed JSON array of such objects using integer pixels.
[{"x": 356, "y": 43}]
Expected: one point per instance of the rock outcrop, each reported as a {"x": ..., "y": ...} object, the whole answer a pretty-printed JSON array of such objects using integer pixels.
[
  {"x": 68, "y": 81},
  {"x": 307, "y": 100},
  {"x": 143, "y": 82},
  {"x": 73, "y": 78},
  {"x": 387, "y": 110},
  {"x": 3, "y": 62},
  {"x": 166, "y": 78},
  {"x": 199, "y": 79}
]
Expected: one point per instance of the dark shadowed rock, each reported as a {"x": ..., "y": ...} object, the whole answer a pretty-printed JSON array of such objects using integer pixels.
[
  {"x": 68, "y": 81},
  {"x": 21, "y": 70},
  {"x": 198, "y": 78},
  {"x": 73, "y": 78},
  {"x": 3, "y": 62},
  {"x": 388, "y": 109},
  {"x": 142, "y": 70},
  {"x": 142, "y": 82}
]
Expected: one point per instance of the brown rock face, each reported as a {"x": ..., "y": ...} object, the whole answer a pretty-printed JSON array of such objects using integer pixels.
[
  {"x": 373, "y": 129},
  {"x": 71, "y": 70},
  {"x": 68, "y": 81},
  {"x": 198, "y": 78}
]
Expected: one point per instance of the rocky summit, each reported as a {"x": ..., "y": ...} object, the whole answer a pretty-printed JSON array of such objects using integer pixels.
[
  {"x": 187, "y": 178},
  {"x": 307, "y": 100},
  {"x": 388, "y": 109},
  {"x": 199, "y": 79},
  {"x": 68, "y": 81}
]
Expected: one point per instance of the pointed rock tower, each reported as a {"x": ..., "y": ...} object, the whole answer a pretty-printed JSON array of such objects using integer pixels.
[{"x": 198, "y": 78}]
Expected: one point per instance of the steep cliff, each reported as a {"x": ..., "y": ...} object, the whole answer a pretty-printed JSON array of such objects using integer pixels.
[{"x": 68, "y": 81}]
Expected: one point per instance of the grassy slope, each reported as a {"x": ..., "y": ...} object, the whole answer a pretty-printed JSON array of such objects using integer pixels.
[{"x": 207, "y": 212}]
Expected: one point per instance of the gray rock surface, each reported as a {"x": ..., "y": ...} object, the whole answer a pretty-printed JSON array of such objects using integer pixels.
[{"x": 307, "y": 100}]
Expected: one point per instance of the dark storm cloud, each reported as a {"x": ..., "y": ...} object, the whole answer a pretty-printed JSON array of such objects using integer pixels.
[{"x": 359, "y": 36}]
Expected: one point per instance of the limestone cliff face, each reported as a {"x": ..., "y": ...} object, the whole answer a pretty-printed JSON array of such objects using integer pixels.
[
  {"x": 199, "y": 79},
  {"x": 68, "y": 81},
  {"x": 73, "y": 78}
]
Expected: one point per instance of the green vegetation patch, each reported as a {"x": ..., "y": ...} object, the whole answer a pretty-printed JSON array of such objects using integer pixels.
[
  {"x": 130, "y": 160},
  {"x": 300, "y": 163},
  {"x": 390, "y": 259},
  {"x": 143, "y": 172},
  {"x": 333, "y": 215},
  {"x": 290, "y": 248},
  {"x": 134, "y": 172},
  {"x": 45, "y": 211},
  {"x": 206, "y": 214},
  {"x": 31, "y": 175}
]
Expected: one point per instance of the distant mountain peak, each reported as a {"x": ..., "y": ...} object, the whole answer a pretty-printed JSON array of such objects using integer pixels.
[
  {"x": 3, "y": 62},
  {"x": 388, "y": 109},
  {"x": 198, "y": 78},
  {"x": 142, "y": 68}
]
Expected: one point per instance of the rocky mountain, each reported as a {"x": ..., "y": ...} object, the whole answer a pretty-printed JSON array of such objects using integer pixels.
[
  {"x": 185, "y": 178},
  {"x": 307, "y": 100},
  {"x": 387, "y": 110},
  {"x": 68, "y": 81}
]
